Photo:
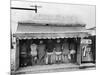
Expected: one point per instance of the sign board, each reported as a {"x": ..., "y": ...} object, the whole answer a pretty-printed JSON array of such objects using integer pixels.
[{"x": 86, "y": 41}]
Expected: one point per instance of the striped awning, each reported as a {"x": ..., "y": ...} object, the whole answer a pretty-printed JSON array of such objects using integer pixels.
[
  {"x": 49, "y": 35},
  {"x": 49, "y": 32}
]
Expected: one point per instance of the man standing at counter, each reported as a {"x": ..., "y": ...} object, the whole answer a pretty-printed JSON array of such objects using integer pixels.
[
  {"x": 58, "y": 49},
  {"x": 33, "y": 52},
  {"x": 65, "y": 51},
  {"x": 49, "y": 49},
  {"x": 41, "y": 53}
]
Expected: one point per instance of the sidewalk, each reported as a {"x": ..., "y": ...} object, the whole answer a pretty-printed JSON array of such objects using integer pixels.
[
  {"x": 54, "y": 68},
  {"x": 87, "y": 66},
  {"x": 39, "y": 68}
]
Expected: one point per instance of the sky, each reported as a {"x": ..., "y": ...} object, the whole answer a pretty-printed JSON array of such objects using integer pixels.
[{"x": 53, "y": 13}]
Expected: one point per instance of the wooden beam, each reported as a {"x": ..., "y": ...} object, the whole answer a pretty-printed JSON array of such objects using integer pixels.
[{"x": 18, "y": 8}]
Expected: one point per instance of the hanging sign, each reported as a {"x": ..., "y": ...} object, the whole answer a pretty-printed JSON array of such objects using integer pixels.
[{"x": 86, "y": 41}]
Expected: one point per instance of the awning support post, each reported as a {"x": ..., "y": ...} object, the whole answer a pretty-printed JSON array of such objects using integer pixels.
[
  {"x": 79, "y": 51},
  {"x": 17, "y": 54}
]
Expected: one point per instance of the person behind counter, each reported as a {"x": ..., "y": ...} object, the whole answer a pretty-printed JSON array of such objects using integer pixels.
[{"x": 23, "y": 55}]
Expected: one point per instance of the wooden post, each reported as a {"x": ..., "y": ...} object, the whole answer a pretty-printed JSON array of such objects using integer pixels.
[
  {"x": 17, "y": 54},
  {"x": 79, "y": 51},
  {"x": 21, "y": 8}
]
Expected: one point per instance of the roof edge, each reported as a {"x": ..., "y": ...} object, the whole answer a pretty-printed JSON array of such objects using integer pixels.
[{"x": 53, "y": 24}]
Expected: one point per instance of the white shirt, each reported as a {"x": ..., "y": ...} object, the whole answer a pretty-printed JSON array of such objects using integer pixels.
[{"x": 33, "y": 49}]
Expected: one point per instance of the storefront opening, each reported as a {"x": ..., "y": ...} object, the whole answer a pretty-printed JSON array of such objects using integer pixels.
[{"x": 47, "y": 51}]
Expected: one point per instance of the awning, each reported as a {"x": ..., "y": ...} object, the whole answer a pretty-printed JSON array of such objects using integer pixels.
[
  {"x": 49, "y": 35},
  {"x": 49, "y": 32}
]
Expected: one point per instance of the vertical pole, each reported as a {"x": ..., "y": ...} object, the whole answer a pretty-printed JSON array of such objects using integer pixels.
[
  {"x": 17, "y": 54},
  {"x": 35, "y": 8},
  {"x": 79, "y": 51}
]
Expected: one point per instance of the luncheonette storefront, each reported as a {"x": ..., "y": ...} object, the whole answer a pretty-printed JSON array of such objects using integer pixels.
[{"x": 47, "y": 44}]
